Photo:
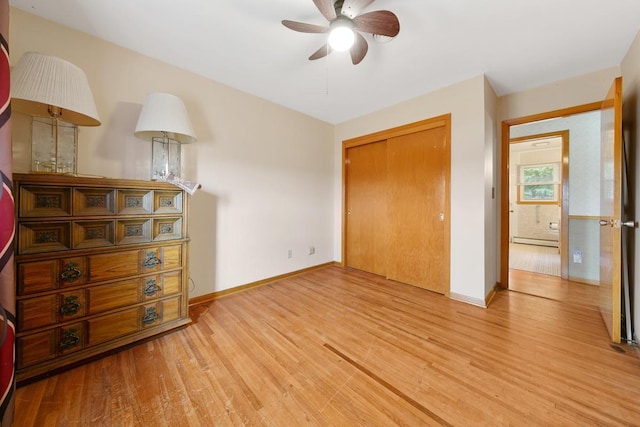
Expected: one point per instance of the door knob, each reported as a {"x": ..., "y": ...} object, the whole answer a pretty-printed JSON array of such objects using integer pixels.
[
  {"x": 630, "y": 224},
  {"x": 604, "y": 222}
]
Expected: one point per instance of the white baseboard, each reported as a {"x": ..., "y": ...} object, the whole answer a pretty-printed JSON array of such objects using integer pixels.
[
  {"x": 469, "y": 300},
  {"x": 539, "y": 242}
]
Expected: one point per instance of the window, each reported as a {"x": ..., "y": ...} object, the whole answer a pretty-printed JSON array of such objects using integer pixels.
[{"x": 539, "y": 183}]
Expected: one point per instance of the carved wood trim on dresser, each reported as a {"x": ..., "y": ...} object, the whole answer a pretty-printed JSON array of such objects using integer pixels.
[{"x": 100, "y": 264}]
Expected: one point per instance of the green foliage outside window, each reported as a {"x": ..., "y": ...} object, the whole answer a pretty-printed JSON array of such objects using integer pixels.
[
  {"x": 538, "y": 183},
  {"x": 539, "y": 192},
  {"x": 531, "y": 174}
]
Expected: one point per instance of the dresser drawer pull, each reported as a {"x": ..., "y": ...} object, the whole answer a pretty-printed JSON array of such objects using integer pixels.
[
  {"x": 151, "y": 288},
  {"x": 69, "y": 340},
  {"x": 151, "y": 260},
  {"x": 71, "y": 306},
  {"x": 150, "y": 316},
  {"x": 71, "y": 273}
]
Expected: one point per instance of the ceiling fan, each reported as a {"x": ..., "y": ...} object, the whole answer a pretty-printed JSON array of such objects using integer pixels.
[{"x": 345, "y": 25}]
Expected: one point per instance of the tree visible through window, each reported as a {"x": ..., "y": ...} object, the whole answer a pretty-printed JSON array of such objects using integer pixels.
[{"x": 538, "y": 183}]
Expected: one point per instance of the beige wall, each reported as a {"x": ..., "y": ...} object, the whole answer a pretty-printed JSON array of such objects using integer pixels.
[
  {"x": 567, "y": 93},
  {"x": 631, "y": 124},
  {"x": 266, "y": 171},
  {"x": 491, "y": 204}
]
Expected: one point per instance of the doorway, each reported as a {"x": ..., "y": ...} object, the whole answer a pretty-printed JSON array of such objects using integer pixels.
[
  {"x": 538, "y": 182},
  {"x": 574, "y": 196}
]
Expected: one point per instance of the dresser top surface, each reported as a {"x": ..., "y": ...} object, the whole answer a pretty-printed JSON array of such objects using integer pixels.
[{"x": 89, "y": 181}]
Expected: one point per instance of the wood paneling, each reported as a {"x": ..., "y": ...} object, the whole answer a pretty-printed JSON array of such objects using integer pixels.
[
  {"x": 366, "y": 229},
  {"x": 397, "y": 203},
  {"x": 342, "y": 347},
  {"x": 418, "y": 219}
]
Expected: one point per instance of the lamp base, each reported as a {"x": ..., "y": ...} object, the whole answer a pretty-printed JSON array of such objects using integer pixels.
[
  {"x": 165, "y": 158},
  {"x": 54, "y": 146}
]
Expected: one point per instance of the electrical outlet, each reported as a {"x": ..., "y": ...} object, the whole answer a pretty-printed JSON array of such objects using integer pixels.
[
  {"x": 312, "y": 250},
  {"x": 289, "y": 253},
  {"x": 577, "y": 256}
]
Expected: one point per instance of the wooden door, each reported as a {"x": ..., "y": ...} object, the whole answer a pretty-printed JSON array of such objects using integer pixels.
[
  {"x": 611, "y": 209},
  {"x": 366, "y": 203},
  {"x": 417, "y": 171}
]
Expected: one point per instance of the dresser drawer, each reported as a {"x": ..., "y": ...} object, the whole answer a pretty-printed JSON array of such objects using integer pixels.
[
  {"x": 93, "y": 234},
  {"x": 132, "y": 320},
  {"x": 132, "y": 231},
  {"x": 37, "y": 276},
  {"x": 114, "y": 265},
  {"x": 48, "y": 310},
  {"x": 167, "y": 202},
  {"x": 94, "y": 201},
  {"x": 114, "y": 295},
  {"x": 39, "y": 237},
  {"x": 44, "y": 201},
  {"x": 40, "y": 276},
  {"x": 47, "y": 345},
  {"x": 35, "y": 348},
  {"x": 167, "y": 229},
  {"x": 135, "y": 202},
  {"x": 171, "y": 257},
  {"x": 161, "y": 285}
]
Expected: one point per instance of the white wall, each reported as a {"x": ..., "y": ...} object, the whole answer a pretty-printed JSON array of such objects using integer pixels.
[
  {"x": 466, "y": 103},
  {"x": 584, "y": 156},
  {"x": 631, "y": 124},
  {"x": 491, "y": 200},
  {"x": 266, "y": 171}
]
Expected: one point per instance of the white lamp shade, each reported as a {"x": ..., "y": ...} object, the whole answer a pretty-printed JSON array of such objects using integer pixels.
[
  {"x": 164, "y": 115},
  {"x": 40, "y": 81}
]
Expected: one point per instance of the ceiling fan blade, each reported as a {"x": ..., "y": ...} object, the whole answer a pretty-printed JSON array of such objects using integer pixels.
[
  {"x": 321, "y": 53},
  {"x": 352, "y": 8},
  {"x": 381, "y": 22},
  {"x": 359, "y": 49},
  {"x": 304, "y": 28},
  {"x": 326, "y": 8}
]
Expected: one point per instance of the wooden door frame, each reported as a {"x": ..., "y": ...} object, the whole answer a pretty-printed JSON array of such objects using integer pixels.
[
  {"x": 434, "y": 122},
  {"x": 504, "y": 178},
  {"x": 564, "y": 192}
]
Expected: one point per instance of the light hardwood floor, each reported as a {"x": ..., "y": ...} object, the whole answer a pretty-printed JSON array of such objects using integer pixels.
[
  {"x": 555, "y": 288},
  {"x": 342, "y": 347}
]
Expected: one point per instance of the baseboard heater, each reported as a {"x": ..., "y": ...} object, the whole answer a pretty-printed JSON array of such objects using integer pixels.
[{"x": 538, "y": 242}]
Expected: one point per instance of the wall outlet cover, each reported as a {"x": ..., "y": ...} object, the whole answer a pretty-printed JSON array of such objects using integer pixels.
[{"x": 577, "y": 256}]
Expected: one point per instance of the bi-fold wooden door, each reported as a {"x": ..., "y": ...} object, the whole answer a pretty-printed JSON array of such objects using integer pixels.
[{"x": 397, "y": 204}]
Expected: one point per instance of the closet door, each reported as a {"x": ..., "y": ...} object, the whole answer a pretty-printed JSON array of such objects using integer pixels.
[
  {"x": 417, "y": 171},
  {"x": 366, "y": 203}
]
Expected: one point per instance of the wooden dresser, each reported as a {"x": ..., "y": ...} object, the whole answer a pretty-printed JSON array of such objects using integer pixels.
[{"x": 100, "y": 263}]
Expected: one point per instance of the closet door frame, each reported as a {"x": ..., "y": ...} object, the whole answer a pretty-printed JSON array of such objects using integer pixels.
[{"x": 434, "y": 122}]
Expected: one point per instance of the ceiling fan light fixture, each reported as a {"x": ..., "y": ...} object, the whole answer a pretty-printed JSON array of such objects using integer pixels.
[{"x": 342, "y": 34}]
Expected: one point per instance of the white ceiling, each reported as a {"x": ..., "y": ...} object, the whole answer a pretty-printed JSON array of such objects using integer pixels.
[{"x": 518, "y": 44}]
